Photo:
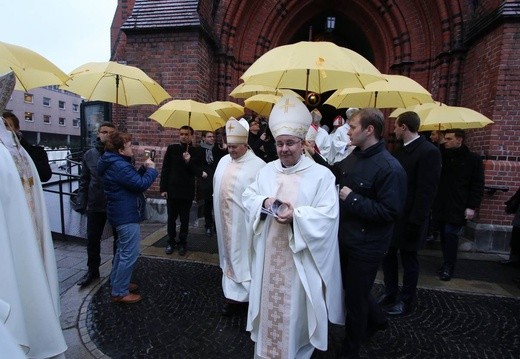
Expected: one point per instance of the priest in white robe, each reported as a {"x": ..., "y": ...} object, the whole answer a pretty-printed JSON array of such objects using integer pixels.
[
  {"x": 28, "y": 271},
  {"x": 234, "y": 173},
  {"x": 340, "y": 146},
  {"x": 322, "y": 137},
  {"x": 296, "y": 286}
]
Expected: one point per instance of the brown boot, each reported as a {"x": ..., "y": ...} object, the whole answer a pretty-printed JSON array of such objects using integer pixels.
[{"x": 127, "y": 299}]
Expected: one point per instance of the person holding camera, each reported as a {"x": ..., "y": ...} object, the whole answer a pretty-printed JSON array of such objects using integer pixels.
[{"x": 91, "y": 199}]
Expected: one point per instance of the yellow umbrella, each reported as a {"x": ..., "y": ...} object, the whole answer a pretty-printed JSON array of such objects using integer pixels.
[
  {"x": 393, "y": 92},
  {"x": 177, "y": 113},
  {"x": 227, "y": 109},
  {"x": 115, "y": 83},
  {"x": 311, "y": 66},
  {"x": 31, "y": 69},
  {"x": 262, "y": 104},
  {"x": 245, "y": 91},
  {"x": 438, "y": 116}
]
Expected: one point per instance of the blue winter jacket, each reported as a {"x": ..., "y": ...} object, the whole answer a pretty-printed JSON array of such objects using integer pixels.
[{"x": 124, "y": 187}]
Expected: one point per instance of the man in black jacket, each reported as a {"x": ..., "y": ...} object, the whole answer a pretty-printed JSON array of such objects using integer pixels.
[
  {"x": 422, "y": 162},
  {"x": 372, "y": 194},
  {"x": 91, "y": 198},
  {"x": 182, "y": 163},
  {"x": 461, "y": 189}
]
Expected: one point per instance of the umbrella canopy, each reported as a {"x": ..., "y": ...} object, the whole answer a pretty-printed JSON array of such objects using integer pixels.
[
  {"x": 311, "y": 66},
  {"x": 393, "y": 92},
  {"x": 245, "y": 91},
  {"x": 262, "y": 104},
  {"x": 177, "y": 113},
  {"x": 115, "y": 83},
  {"x": 31, "y": 69},
  {"x": 438, "y": 116},
  {"x": 227, "y": 109}
]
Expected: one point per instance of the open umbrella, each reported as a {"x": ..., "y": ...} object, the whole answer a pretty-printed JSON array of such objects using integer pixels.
[
  {"x": 245, "y": 91},
  {"x": 311, "y": 66},
  {"x": 392, "y": 92},
  {"x": 262, "y": 104},
  {"x": 31, "y": 69},
  {"x": 116, "y": 83},
  {"x": 438, "y": 116},
  {"x": 177, "y": 113},
  {"x": 227, "y": 109}
]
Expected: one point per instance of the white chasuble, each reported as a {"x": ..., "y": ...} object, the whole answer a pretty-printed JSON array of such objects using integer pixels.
[
  {"x": 296, "y": 283},
  {"x": 234, "y": 240},
  {"x": 28, "y": 270}
]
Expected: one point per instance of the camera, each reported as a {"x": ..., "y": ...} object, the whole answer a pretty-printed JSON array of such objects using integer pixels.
[{"x": 149, "y": 154}]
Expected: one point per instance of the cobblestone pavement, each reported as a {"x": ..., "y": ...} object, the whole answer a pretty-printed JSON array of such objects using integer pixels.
[{"x": 179, "y": 316}]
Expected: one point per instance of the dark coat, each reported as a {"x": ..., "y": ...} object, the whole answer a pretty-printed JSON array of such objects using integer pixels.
[
  {"x": 124, "y": 187},
  {"x": 367, "y": 215},
  {"x": 91, "y": 194},
  {"x": 177, "y": 176},
  {"x": 422, "y": 162},
  {"x": 461, "y": 185},
  {"x": 205, "y": 185}
]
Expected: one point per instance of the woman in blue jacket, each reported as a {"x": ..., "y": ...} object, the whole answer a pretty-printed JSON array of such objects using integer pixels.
[{"x": 124, "y": 187}]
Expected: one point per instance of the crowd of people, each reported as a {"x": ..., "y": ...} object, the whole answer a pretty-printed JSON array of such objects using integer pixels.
[{"x": 303, "y": 220}]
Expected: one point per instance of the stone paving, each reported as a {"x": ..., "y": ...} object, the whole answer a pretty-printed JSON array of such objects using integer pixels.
[{"x": 179, "y": 316}]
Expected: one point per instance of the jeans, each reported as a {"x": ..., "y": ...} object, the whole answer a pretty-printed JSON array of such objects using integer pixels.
[
  {"x": 450, "y": 244},
  {"x": 95, "y": 226},
  {"x": 125, "y": 258}
]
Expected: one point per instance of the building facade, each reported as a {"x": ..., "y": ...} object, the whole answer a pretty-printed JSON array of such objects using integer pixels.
[
  {"x": 463, "y": 51},
  {"x": 48, "y": 116}
]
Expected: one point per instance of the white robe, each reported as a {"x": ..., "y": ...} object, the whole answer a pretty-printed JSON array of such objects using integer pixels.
[
  {"x": 296, "y": 277},
  {"x": 339, "y": 144},
  {"x": 234, "y": 239},
  {"x": 323, "y": 142},
  {"x": 28, "y": 271},
  {"x": 9, "y": 348}
]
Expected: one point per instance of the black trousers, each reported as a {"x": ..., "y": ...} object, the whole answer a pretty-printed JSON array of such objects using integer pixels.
[
  {"x": 450, "y": 244},
  {"x": 362, "y": 309},
  {"x": 178, "y": 208},
  {"x": 410, "y": 265},
  {"x": 208, "y": 210},
  {"x": 95, "y": 225}
]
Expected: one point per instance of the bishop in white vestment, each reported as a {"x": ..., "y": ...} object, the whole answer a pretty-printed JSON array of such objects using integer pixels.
[
  {"x": 28, "y": 271},
  {"x": 296, "y": 286},
  {"x": 234, "y": 173}
]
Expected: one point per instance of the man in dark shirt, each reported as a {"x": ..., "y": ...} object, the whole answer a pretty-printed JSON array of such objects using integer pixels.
[
  {"x": 182, "y": 163},
  {"x": 372, "y": 193}
]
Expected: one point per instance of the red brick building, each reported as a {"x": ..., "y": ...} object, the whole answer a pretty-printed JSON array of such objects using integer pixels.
[{"x": 465, "y": 52}]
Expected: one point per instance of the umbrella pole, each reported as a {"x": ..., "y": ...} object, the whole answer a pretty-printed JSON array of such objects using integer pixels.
[
  {"x": 189, "y": 124},
  {"x": 307, "y": 86},
  {"x": 375, "y": 100},
  {"x": 117, "y": 94}
]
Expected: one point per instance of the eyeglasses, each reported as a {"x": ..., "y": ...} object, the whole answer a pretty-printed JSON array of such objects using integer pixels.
[{"x": 288, "y": 143}]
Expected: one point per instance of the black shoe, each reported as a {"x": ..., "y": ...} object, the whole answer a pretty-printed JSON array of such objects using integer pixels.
[
  {"x": 227, "y": 309},
  {"x": 88, "y": 278},
  {"x": 182, "y": 250},
  {"x": 386, "y": 299},
  {"x": 168, "y": 249},
  {"x": 399, "y": 308},
  {"x": 445, "y": 275},
  {"x": 209, "y": 232},
  {"x": 372, "y": 329}
]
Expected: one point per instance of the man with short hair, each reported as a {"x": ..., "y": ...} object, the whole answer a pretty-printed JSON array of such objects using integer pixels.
[
  {"x": 437, "y": 137},
  {"x": 293, "y": 215},
  {"x": 461, "y": 189},
  {"x": 234, "y": 173},
  {"x": 372, "y": 193},
  {"x": 340, "y": 145},
  {"x": 322, "y": 137},
  {"x": 422, "y": 162},
  {"x": 91, "y": 198},
  {"x": 182, "y": 163}
]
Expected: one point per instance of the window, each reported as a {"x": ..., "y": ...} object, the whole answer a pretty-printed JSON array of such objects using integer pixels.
[
  {"x": 28, "y": 98},
  {"x": 61, "y": 105},
  {"x": 29, "y": 116},
  {"x": 46, "y": 102},
  {"x": 76, "y": 122},
  {"x": 75, "y": 107},
  {"x": 61, "y": 121},
  {"x": 47, "y": 119}
]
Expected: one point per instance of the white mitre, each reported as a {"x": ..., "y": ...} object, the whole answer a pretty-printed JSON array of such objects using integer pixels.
[
  {"x": 289, "y": 116},
  {"x": 237, "y": 131}
]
